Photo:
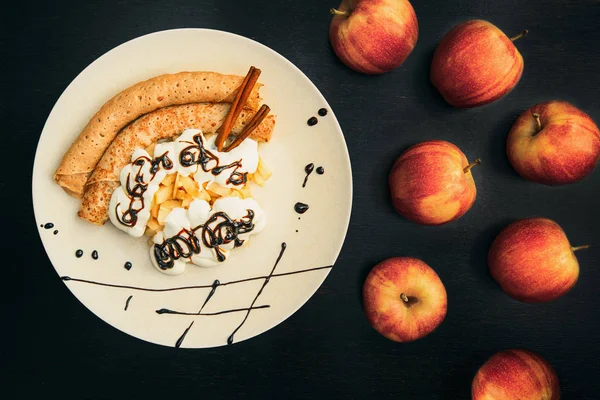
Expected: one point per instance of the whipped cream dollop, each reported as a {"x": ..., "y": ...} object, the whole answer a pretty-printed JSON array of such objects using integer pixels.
[
  {"x": 203, "y": 235},
  {"x": 189, "y": 154},
  {"x": 129, "y": 207}
]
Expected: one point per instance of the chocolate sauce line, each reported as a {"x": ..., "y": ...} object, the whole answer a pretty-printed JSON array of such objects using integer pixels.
[
  {"x": 127, "y": 302},
  {"x": 301, "y": 271},
  {"x": 267, "y": 279},
  {"x": 215, "y": 285},
  {"x": 180, "y": 340},
  {"x": 201, "y": 314},
  {"x": 308, "y": 169}
]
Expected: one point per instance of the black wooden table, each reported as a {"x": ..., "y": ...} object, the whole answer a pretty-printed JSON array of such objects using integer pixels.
[{"x": 54, "y": 346}]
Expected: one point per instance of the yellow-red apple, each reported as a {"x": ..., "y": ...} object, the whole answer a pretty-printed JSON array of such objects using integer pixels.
[
  {"x": 533, "y": 261},
  {"x": 554, "y": 143},
  {"x": 431, "y": 183},
  {"x": 404, "y": 299},
  {"x": 373, "y": 36},
  {"x": 475, "y": 63},
  {"x": 516, "y": 374}
]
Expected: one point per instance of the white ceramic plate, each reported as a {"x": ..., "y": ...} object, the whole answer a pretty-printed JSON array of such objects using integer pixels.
[{"x": 129, "y": 299}]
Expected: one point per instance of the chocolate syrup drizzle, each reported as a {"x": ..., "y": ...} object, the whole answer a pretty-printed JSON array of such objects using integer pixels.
[
  {"x": 267, "y": 279},
  {"x": 233, "y": 310},
  {"x": 127, "y": 302},
  {"x": 196, "y": 153},
  {"x": 185, "y": 244},
  {"x": 216, "y": 284},
  {"x": 300, "y": 208},
  {"x": 308, "y": 169},
  {"x": 174, "y": 289},
  {"x": 136, "y": 192},
  {"x": 180, "y": 340}
]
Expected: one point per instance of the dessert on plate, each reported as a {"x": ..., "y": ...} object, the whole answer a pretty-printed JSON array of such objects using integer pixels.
[{"x": 173, "y": 158}]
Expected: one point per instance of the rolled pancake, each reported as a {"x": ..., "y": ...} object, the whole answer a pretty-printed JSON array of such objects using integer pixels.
[
  {"x": 142, "y": 98},
  {"x": 165, "y": 123}
]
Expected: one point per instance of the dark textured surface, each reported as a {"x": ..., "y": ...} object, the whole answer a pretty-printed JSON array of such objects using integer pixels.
[{"x": 53, "y": 345}]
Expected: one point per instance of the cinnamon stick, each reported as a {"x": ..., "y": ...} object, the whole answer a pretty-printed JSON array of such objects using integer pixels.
[
  {"x": 252, "y": 125},
  {"x": 239, "y": 101}
]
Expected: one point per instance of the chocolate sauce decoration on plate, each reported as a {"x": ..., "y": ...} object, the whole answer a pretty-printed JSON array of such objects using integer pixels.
[
  {"x": 48, "y": 225},
  {"x": 320, "y": 170},
  {"x": 79, "y": 253},
  {"x": 180, "y": 340},
  {"x": 312, "y": 121},
  {"x": 213, "y": 287},
  {"x": 323, "y": 112},
  {"x": 95, "y": 254},
  {"x": 128, "y": 265},
  {"x": 56, "y": 232},
  {"x": 308, "y": 169},
  {"x": 300, "y": 207},
  {"x": 66, "y": 278},
  {"x": 267, "y": 279},
  {"x": 127, "y": 302}
]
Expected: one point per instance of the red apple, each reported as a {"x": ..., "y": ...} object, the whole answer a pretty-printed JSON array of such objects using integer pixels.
[
  {"x": 554, "y": 143},
  {"x": 516, "y": 374},
  {"x": 475, "y": 64},
  {"x": 532, "y": 260},
  {"x": 373, "y": 36},
  {"x": 431, "y": 183},
  {"x": 404, "y": 299}
]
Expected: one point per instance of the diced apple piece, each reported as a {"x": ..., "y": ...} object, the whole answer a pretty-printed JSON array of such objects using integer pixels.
[
  {"x": 154, "y": 210},
  {"x": 170, "y": 204},
  {"x": 162, "y": 215},
  {"x": 150, "y": 149},
  {"x": 153, "y": 225},
  {"x": 189, "y": 185},
  {"x": 162, "y": 194},
  {"x": 245, "y": 192},
  {"x": 264, "y": 171},
  {"x": 169, "y": 179},
  {"x": 219, "y": 190},
  {"x": 257, "y": 178},
  {"x": 204, "y": 195},
  {"x": 180, "y": 195},
  {"x": 175, "y": 185}
]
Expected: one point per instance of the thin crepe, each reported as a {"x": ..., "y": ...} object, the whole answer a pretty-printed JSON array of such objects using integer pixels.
[
  {"x": 165, "y": 123},
  {"x": 142, "y": 98}
]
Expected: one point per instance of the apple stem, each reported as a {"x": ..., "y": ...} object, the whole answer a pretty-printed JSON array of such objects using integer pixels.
[
  {"x": 538, "y": 121},
  {"x": 520, "y": 35},
  {"x": 474, "y": 163},
  {"x": 404, "y": 298},
  {"x": 338, "y": 12},
  {"x": 585, "y": 246}
]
